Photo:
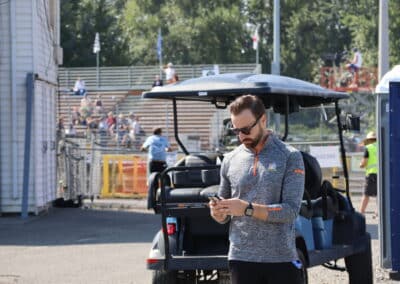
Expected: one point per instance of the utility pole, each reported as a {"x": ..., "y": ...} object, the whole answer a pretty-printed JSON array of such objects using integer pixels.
[
  {"x": 276, "y": 62},
  {"x": 383, "y": 53}
]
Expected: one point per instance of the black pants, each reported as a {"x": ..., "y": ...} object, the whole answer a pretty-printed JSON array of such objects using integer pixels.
[
  {"x": 157, "y": 166},
  {"x": 371, "y": 185},
  {"x": 264, "y": 273}
]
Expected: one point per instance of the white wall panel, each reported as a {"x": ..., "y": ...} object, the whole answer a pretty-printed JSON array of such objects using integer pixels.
[{"x": 34, "y": 48}]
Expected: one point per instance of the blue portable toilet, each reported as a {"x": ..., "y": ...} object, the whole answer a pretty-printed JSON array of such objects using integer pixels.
[{"x": 388, "y": 130}]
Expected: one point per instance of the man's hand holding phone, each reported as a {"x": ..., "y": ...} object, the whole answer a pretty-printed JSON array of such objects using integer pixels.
[{"x": 216, "y": 209}]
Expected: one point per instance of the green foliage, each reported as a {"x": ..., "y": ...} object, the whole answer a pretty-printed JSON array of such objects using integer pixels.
[
  {"x": 207, "y": 32},
  {"x": 394, "y": 32},
  {"x": 193, "y": 32},
  {"x": 80, "y": 20}
]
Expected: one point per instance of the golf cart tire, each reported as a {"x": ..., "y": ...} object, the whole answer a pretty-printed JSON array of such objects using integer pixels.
[
  {"x": 359, "y": 267},
  {"x": 165, "y": 277},
  {"x": 304, "y": 273}
]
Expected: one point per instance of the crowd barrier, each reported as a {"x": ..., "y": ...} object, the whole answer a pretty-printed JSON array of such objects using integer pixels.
[{"x": 124, "y": 175}]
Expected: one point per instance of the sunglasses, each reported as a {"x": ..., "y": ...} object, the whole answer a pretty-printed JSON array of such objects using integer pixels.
[{"x": 245, "y": 130}]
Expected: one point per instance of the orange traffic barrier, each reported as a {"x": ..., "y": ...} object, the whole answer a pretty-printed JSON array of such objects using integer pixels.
[{"x": 124, "y": 175}]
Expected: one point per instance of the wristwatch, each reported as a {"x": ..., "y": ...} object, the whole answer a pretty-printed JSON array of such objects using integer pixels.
[{"x": 249, "y": 210}]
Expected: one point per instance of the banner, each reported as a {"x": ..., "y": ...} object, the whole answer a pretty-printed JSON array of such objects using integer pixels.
[{"x": 327, "y": 156}]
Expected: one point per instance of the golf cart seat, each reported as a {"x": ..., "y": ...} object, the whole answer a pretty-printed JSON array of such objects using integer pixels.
[
  {"x": 317, "y": 200},
  {"x": 195, "y": 178},
  {"x": 186, "y": 185}
]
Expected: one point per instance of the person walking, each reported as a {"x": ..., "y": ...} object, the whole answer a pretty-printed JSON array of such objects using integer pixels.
[
  {"x": 157, "y": 146},
  {"x": 262, "y": 185},
  {"x": 370, "y": 163}
]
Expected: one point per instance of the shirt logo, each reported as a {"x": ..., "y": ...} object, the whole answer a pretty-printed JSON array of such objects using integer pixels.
[
  {"x": 272, "y": 167},
  {"x": 299, "y": 171}
]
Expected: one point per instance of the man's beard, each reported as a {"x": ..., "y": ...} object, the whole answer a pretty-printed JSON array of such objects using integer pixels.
[{"x": 252, "y": 143}]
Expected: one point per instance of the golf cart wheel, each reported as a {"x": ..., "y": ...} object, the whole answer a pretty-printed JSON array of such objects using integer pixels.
[
  {"x": 304, "y": 274},
  {"x": 359, "y": 267},
  {"x": 164, "y": 277}
]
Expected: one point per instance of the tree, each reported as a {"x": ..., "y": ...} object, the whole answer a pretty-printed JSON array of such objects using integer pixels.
[
  {"x": 394, "y": 32},
  {"x": 194, "y": 32},
  {"x": 80, "y": 20},
  {"x": 208, "y": 32},
  {"x": 310, "y": 29}
]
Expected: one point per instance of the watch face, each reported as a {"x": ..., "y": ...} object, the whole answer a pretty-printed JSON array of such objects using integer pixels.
[{"x": 248, "y": 211}]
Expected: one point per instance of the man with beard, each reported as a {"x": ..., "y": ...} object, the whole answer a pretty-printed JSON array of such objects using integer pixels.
[{"x": 262, "y": 184}]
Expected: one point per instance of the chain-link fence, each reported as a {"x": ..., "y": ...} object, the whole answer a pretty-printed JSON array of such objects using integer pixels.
[
  {"x": 72, "y": 169},
  {"x": 86, "y": 168}
]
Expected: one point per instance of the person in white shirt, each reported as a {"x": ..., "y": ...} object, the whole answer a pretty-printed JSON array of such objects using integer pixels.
[
  {"x": 79, "y": 88},
  {"x": 356, "y": 63},
  {"x": 169, "y": 73}
]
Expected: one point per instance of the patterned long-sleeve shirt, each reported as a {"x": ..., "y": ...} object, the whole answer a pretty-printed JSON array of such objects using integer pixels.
[{"x": 273, "y": 177}]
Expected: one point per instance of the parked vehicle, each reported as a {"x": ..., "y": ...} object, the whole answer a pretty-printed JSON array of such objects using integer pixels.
[{"x": 192, "y": 247}]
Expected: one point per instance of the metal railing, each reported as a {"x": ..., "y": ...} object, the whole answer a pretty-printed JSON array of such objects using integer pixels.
[
  {"x": 137, "y": 77},
  {"x": 340, "y": 79}
]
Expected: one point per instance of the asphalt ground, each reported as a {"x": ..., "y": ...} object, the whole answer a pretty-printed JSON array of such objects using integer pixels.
[{"x": 107, "y": 241}]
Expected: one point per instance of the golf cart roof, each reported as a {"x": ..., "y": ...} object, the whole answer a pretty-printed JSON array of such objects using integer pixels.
[{"x": 272, "y": 89}]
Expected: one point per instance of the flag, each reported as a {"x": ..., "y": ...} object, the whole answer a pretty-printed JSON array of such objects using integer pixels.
[
  {"x": 96, "y": 45},
  {"x": 255, "y": 38},
  {"x": 159, "y": 45}
]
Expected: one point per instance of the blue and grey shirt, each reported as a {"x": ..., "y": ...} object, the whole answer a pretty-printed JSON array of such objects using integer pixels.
[
  {"x": 273, "y": 177},
  {"x": 157, "y": 145}
]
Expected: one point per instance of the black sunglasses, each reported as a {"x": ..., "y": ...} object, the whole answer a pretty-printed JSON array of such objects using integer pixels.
[{"x": 245, "y": 130}]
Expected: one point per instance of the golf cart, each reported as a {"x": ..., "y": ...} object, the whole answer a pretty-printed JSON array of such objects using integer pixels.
[{"x": 191, "y": 247}]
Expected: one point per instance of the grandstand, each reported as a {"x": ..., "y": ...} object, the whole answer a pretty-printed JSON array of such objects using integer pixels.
[
  {"x": 191, "y": 119},
  {"x": 121, "y": 88}
]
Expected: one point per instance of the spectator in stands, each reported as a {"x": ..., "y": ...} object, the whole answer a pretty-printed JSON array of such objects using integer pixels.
[
  {"x": 111, "y": 122},
  {"x": 156, "y": 145},
  {"x": 169, "y": 73},
  {"x": 157, "y": 82},
  {"x": 79, "y": 88},
  {"x": 98, "y": 105},
  {"x": 60, "y": 127},
  {"x": 75, "y": 116},
  {"x": 175, "y": 78},
  {"x": 92, "y": 123},
  {"x": 86, "y": 108},
  {"x": 71, "y": 131},
  {"x": 103, "y": 128},
  {"x": 136, "y": 131},
  {"x": 122, "y": 128}
]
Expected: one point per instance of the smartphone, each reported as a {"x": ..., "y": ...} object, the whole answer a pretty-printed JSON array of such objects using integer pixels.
[{"x": 214, "y": 197}]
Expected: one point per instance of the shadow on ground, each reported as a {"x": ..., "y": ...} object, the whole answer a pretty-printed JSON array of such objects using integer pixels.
[{"x": 74, "y": 226}]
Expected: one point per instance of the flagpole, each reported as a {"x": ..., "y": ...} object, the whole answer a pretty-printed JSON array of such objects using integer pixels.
[
  {"x": 257, "y": 54},
  {"x": 256, "y": 39}
]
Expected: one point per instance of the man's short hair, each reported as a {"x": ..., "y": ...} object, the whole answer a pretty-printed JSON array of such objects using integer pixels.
[
  {"x": 157, "y": 130},
  {"x": 251, "y": 102}
]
